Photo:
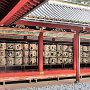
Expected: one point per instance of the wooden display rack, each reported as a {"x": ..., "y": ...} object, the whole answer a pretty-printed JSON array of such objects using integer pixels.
[{"x": 41, "y": 73}]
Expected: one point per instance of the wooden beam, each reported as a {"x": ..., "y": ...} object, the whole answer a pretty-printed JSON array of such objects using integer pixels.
[
  {"x": 41, "y": 24},
  {"x": 19, "y": 5}
]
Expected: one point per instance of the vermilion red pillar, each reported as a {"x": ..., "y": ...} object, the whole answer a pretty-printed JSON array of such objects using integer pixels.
[
  {"x": 77, "y": 55},
  {"x": 75, "y": 51},
  {"x": 40, "y": 52}
]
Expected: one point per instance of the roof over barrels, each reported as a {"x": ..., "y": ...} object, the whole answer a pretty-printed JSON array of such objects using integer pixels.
[{"x": 60, "y": 12}]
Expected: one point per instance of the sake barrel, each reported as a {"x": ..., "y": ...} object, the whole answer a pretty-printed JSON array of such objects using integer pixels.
[
  {"x": 85, "y": 54},
  {"x": 59, "y": 53},
  {"x": 53, "y": 54},
  {"x": 2, "y": 46},
  {"x": 26, "y": 46},
  {"x": 53, "y": 61},
  {"x": 10, "y": 46},
  {"x": 59, "y": 60},
  {"x": 10, "y": 53},
  {"x": 65, "y": 60},
  {"x": 2, "y": 53},
  {"x": 18, "y": 46},
  {"x": 65, "y": 54},
  {"x": 85, "y": 48},
  {"x": 33, "y": 47},
  {"x": 26, "y": 61},
  {"x": 59, "y": 47},
  {"x": 52, "y": 47},
  {"x": 46, "y": 47},
  {"x": 2, "y": 61},
  {"x": 26, "y": 53},
  {"x": 33, "y": 53},
  {"x": 18, "y": 53},
  {"x": 47, "y": 54},
  {"x": 18, "y": 61},
  {"x": 46, "y": 60},
  {"x": 70, "y": 60},
  {"x": 70, "y": 55},
  {"x": 33, "y": 61},
  {"x": 65, "y": 47},
  {"x": 70, "y": 48},
  {"x": 85, "y": 60},
  {"x": 9, "y": 61}
]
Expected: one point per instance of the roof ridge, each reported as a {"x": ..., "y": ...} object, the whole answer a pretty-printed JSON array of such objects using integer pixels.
[{"x": 60, "y": 14}]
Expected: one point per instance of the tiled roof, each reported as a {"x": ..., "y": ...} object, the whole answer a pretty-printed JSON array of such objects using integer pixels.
[{"x": 57, "y": 13}]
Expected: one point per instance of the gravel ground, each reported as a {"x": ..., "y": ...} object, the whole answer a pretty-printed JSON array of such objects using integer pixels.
[
  {"x": 78, "y": 86},
  {"x": 51, "y": 85}
]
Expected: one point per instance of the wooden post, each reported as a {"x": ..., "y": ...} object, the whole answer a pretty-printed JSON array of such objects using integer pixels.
[
  {"x": 77, "y": 55},
  {"x": 40, "y": 52}
]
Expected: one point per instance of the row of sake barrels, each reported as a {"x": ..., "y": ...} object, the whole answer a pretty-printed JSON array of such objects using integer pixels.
[
  {"x": 58, "y": 54},
  {"x": 65, "y": 54},
  {"x": 58, "y": 61},
  {"x": 18, "y": 46},
  {"x": 84, "y": 48},
  {"x": 18, "y": 53},
  {"x": 85, "y": 54},
  {"x": 18, "y": 61},
  {"x": 64, "y": 48},
  {"x": 58, "y": 48}
]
